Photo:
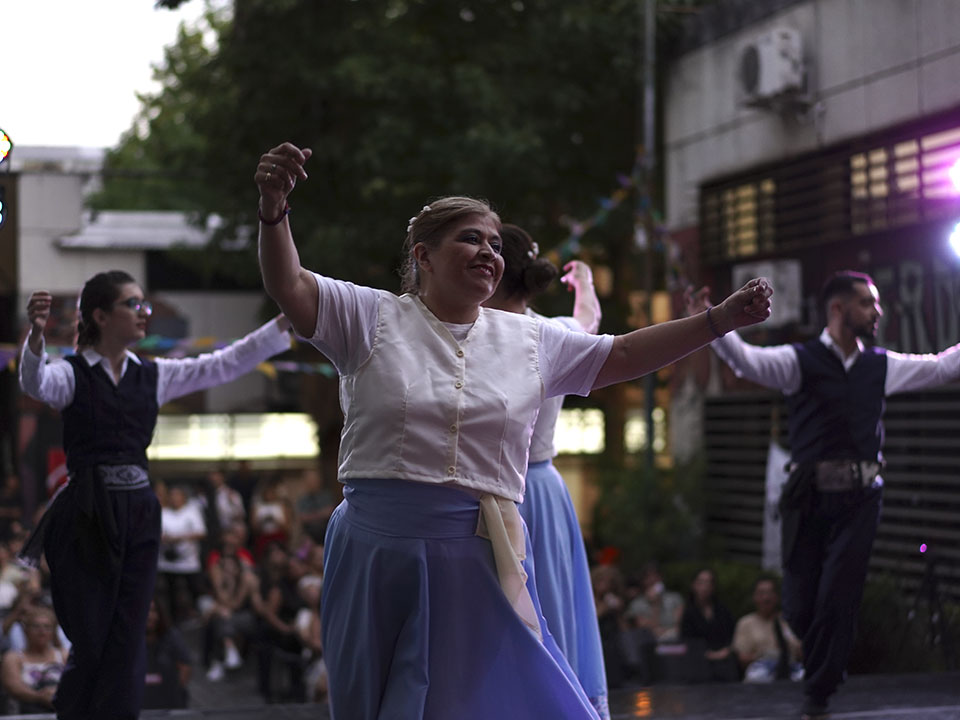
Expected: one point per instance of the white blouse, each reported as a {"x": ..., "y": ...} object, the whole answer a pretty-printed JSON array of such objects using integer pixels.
[
  {"x": 420, "y": 405},
  {"x": 542, "y": 446}
]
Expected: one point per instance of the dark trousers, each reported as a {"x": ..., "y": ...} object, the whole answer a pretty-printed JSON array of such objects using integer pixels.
[
  {"x": 104, "y": 617},
  {"x": 823, "y": 582}
]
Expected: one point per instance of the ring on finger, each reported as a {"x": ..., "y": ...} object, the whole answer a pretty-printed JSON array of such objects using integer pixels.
[
  {"x": 268, "y": 175},
  {"x": 273, "y": 167}
]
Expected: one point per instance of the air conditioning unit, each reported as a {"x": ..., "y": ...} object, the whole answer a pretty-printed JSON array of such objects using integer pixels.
[{"x": 771, "y": 66}]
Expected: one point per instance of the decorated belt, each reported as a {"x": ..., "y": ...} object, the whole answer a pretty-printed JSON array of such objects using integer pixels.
[
  {"x": 123, "y": 477},
  {"x": 842, "y": 475}
]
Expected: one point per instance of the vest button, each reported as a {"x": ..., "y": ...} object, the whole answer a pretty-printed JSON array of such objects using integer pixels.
[
  {"x": 453, "y": 428},
  {"x": 459, "y": 352},
  {"x": 458, "y": 384},
  {"x": 451, "y": 470}
]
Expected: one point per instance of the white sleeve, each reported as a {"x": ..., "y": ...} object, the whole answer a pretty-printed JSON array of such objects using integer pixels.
[
  {"x": 180, "y": 376},
  {"x": 52, "y": 383},
  {"x": 916, "y": 372},
  {"x": 776, "y": 367},
  {"x": 346, "y": 322},
  {"x": 570, "y": 361}
]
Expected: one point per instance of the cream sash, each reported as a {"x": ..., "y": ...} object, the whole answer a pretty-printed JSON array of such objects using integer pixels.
[{"x": 500, "y": 523}]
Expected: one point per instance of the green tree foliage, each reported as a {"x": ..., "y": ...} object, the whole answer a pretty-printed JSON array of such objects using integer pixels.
[{"x": 530, "y": 104}]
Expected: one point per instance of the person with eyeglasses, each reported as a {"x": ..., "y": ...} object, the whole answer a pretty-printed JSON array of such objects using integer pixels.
[{"x": 101, "y": 532}]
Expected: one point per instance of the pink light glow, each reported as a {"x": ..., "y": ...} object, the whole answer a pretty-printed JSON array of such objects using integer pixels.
[
  {"x": 954, "y": 173},
  {"x": 955, "y": 239},
  {"x": 923, "y": 547}
]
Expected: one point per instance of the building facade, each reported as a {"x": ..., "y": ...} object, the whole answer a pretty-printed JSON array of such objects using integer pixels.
[{"x": 804, "y": 137}]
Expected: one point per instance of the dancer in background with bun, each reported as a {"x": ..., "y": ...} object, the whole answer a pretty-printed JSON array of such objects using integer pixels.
[{"x": 560, "y": 559}]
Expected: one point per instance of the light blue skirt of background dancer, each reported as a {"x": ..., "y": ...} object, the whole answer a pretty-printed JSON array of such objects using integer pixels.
[
  {"x": 415, "y": 624},
  {"x": 563, "y": 578}
]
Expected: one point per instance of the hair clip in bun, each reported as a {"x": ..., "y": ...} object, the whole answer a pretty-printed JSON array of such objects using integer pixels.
[{"x": 533, "y": 251}]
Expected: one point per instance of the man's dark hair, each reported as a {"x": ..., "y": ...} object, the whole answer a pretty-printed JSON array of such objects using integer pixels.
[{"x": 841, "y": 284}]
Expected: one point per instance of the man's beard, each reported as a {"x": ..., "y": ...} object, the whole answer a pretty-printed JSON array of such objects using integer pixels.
[{"x": 864, "y": 331}]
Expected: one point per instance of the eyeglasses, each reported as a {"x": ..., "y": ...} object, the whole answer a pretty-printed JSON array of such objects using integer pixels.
[{"x": 137, "y": 305}]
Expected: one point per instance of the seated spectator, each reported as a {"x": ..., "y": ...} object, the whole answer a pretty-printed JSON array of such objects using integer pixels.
[
  {"x": 30, "y": 676},
  {"x": 180, "y": 578},
  {"x": 231, "y": 621},
  {"x": 314, "y": 506},
  {"x": 608, "y": 595},
  {"x": 766, "y": 647},
  {"x": 30, "y": 596},
  {"x": 276, "y": 602},
  {"x": 270, "y": 517},
  {"x": 308, "y": 630},
  {"x": 707, "y": 627},
  {"x": 652, "y": 617},
  {"x": 656, "y": 608},
  {"x": 169, "y": 664},
  {"x": 224, "y": 505}
]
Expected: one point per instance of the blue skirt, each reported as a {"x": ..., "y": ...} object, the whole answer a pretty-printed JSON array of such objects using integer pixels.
[
  {"x": 415, "y": 623},
  {"x": 563, "y": 578}
]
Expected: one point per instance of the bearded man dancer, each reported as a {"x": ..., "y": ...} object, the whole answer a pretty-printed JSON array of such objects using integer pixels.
[{"x": 835, "y": 389}]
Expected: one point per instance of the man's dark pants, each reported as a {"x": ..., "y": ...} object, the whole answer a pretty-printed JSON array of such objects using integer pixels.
[{"x": 823, "y": 581}]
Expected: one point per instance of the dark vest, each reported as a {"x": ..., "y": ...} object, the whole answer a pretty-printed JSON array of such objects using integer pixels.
[
  {"x": 109, "y": 424},
  {"x": 837, "y": 414}
]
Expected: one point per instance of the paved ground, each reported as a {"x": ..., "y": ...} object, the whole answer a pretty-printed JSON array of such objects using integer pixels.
[{"x": 864, "y": 697}]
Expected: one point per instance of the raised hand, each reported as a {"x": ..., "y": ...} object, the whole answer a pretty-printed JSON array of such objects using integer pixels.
[
  {"x": 747, "y": 306},
  {"x": 38, "y": 312},
  {"x": 277, "y": 174},
  {"x": 578, "y": 276}
]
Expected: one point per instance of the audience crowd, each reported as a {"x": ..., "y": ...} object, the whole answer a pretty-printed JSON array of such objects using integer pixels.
[
  {"x": 240, "y": 574},
  {"x": 240, "y": 580}
]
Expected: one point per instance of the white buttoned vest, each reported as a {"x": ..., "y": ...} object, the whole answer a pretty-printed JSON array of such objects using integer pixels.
[{"x": 425, "y": 407}]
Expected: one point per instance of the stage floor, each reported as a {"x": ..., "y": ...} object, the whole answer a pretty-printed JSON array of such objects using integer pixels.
[{"x": 864, "y": 697}]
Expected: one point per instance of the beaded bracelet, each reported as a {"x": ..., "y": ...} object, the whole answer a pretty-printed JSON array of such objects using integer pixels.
[
  {"x": 278, "y": 220},
  {"x": 713, "y": 328}
]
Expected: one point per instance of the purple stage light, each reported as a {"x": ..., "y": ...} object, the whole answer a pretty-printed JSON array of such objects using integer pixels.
[{"x": 955, "y": 238}]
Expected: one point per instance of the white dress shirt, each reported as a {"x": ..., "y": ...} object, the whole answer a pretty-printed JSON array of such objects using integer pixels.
[
  {"x": 54, "y": 382},
  {"x": 778, "y": 366}
]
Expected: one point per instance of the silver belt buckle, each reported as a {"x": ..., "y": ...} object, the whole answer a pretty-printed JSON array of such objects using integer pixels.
[{"x": 835, "y": 476}]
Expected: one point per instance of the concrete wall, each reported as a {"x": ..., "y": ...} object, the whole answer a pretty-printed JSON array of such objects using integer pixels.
[
  {"x": 871, "y": 64},
  {"x": 50, "y": 206}
]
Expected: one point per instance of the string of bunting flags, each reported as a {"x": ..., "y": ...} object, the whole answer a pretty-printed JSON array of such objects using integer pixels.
[
  {"x": 626, "y": 185},
  {"x": 160, "y": 346}
]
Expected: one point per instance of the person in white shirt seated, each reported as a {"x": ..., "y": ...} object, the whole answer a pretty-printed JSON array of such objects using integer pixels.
[
  {"x": 763, "y": 642},
  {"x": 429, "y": 606}
]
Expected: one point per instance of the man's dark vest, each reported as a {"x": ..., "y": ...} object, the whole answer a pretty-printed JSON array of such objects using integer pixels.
[
  {"x": 837, "y": 414},
  {"x": 109, "y": 424}
]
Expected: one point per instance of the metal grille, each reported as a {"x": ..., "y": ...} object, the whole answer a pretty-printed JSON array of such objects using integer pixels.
[
  {"x": 921, "y": 497},
  {"x": 896, "y": 179}
]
